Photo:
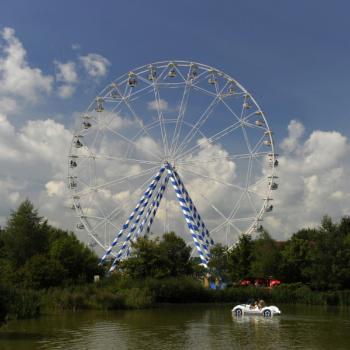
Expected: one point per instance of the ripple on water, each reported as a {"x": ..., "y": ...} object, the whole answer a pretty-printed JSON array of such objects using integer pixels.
[{"x": 184, "y": 327}]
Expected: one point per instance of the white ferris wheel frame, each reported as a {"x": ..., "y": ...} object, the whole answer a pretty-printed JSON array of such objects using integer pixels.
[{"x": 175, "y": 149}]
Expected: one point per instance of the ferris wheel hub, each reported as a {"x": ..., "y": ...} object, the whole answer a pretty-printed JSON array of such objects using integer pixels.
[{"x": 218, "y": 141}]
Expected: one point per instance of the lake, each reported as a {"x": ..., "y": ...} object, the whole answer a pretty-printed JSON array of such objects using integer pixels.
[{"x": 191, "y": 326}]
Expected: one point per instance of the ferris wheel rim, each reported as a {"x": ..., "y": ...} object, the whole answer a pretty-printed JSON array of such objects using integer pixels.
[{"x": 142, "y": 69}]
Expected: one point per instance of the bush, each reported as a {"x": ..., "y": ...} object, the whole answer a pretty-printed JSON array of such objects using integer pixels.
[
  {"x": 178, "y": 290},
  {"x": 24, "y": 304},
  {"x": 137, "y": 298}
]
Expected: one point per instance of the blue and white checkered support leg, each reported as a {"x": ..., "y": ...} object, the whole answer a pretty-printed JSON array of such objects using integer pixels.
[
  {"x": 150, "y": 188},
  {"x": 126, "y": 243},
  {"x": 187, "y": 214},
  {"x": 197, "y": 219},
  {"x": 156, "y": 200},
  {"x": 157, "y": 205},
  {"x": 205, "y": 233}
]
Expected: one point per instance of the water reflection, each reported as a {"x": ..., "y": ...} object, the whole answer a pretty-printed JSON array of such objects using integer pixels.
[{"x": 182, "y": 327}]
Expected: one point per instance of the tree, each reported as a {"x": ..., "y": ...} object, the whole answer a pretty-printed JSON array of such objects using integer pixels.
[
  {"x": 78, "y": 261},
  {"x": 330, "y": 267},
  {"x": 219, "y": 262},
  {"x": 240, "y": 258},
  {"x": 41, "y": 272},
  {"x": 158, "y": 259},
  {"x": 266, "y": 257},
  {"x": 296, "y": 256},
  {"x": 177, "y": 254},
  {"x": 25, "y": 234}
]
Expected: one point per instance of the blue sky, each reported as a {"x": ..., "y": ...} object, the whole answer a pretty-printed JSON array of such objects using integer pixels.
[{"x": 293, "y": 56}]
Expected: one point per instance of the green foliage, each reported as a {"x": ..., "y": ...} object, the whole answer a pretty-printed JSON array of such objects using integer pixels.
[
  {"x": 78, "y": 262},
  {"x": 25, "y": 235},
  {"x": 317, "y": 257},
  {"x": 324, "y": 260},
  {"x": 295, "y": 259},
  {"x": 4, "y": 304},
  {"x": 36, "y": 255},
  {"x": 219, "y": 262},
  {"x": 24, "y": 303},
  {"x": 158, "y": 258},
  {"x": 240, "y": 258},
  {"x": 137, "y": 298},
  {"x": 43, "y": 266},
  {"x": 266, "y": 257},
  {"x": 184, "y": 289},
  {"x": 40, "y": 271}
]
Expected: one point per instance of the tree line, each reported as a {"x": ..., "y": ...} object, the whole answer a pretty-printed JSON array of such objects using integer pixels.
[
  {"x": 34, "y": 256},
  {"x": 318, "y": 257}
]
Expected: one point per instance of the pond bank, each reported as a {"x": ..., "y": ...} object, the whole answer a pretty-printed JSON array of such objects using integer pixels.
[{"x": 122, "y": 294}]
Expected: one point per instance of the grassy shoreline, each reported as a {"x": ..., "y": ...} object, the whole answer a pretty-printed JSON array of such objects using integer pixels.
[{"x": 115, "y": 295}]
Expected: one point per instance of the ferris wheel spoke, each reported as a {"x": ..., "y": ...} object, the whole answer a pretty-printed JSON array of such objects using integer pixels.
[
  {"x": 198, "y": 88},
  {"x": 94, "y": 217},
  {"x": 251, "y": 203},
  {"x": 82, "y": 182},
  {"x": 117, "y": 181},
  {"x": 248, "y": 174},
  {"x": 220, "y": 213},
  {"x": 117, "y": 104},
  {"x": 244, "y": 121},
  {"x": 102, "y": 222},
  {"x": 250, "y": 218},
  {"x": 129, "y": 202},
  {"x": 198, "y": 79},
  {"x": 259, "y": 144},
  {"x": 178, "y": 71},
  {"x": 231, "y": 110},
  {"x": 189, "y": 169},
  {"x": 218, "y": 227},
  {"x": 161, "y": 75},
  {"x": 211, "y": 139},
  {"x": 257, "y": 183},
  {"x": 243, "y": 109},
  {"x": 140, "y": 93},
  {"x": 99, "y": 208},
  {"x": 246, "y": 139},
  {"x": 234, "y": 157},
  {"x": 200, "y": 122},
  {"x": 142, "y": 126},
  {"x": 236, "y": 206},
  {"x": 247, "y": 186},
  {"x": 134, "y": 144},
  {"x": 181, "y": 114},
  {"x": 108, "y": 166},
  {"x": 92, "y": 144},
  {"x": 124, "y": 159},
  {"x": 161, "y": 119}
]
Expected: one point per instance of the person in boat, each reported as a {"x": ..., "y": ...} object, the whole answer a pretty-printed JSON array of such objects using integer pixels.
[
  {"x": 261, "y": 304},
  {"x": 253, "y": 305}
]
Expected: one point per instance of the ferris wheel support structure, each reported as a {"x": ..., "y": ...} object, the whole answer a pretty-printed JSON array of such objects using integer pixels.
[{"x": 195, "y": 125}]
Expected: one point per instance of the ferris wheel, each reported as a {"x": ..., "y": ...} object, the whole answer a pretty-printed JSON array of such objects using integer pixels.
[{"x": 184, "y": 142}]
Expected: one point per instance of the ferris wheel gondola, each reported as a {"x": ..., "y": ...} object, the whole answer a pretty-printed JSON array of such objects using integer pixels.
[{"x": 196, "y": 122}]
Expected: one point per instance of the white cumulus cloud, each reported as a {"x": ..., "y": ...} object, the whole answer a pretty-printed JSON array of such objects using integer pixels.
[
  {"x": 160, "y": 104},
  {"x": 95, "y": 65},
  {"x": 66, "y": 74},
  {"x": 33, "y": 165},
  {"x": 313, "y": 176},
  {"x": 17, "y": 77}
]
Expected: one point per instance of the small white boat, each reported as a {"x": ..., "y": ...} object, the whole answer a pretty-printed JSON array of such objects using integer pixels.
[{"x": 247, "y": 309}]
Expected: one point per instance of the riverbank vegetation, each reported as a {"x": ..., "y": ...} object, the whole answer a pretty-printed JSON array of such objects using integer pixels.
[{"x": 43, "y": 268}]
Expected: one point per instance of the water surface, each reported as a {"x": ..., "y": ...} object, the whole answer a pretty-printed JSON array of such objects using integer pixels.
[{"x": 182, "y": 327}]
